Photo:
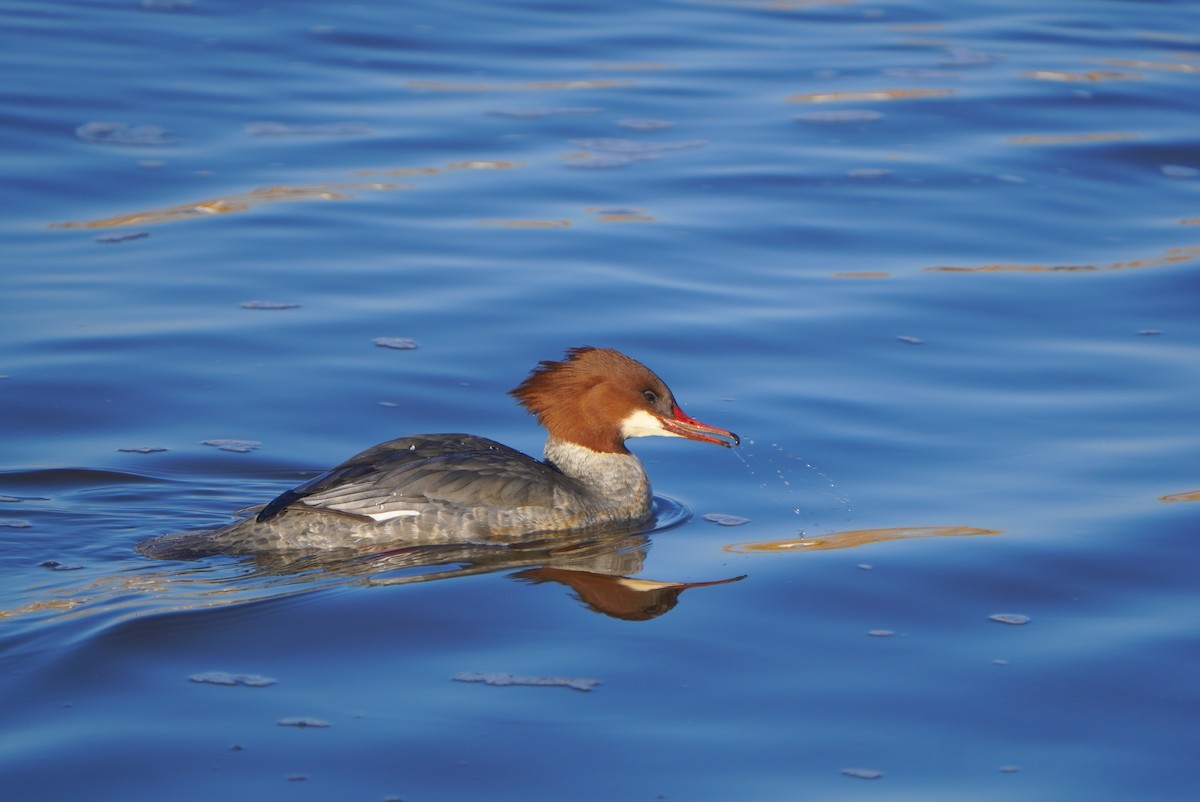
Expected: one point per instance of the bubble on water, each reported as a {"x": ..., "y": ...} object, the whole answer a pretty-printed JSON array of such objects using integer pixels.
[
  {"x": 1010, "y": 179},
  {"x": 904, "y": 338},
  {"x": 273, "y": 305},
  {"x": 396, "y": 343},
  {"x": 881, "y": 633},
  {"x": 865, "y": 567},
  {"x": 141, "y": 449},
  {"x": 863, "y": 774},
  {"x": 999, "y": 662},
  {"x": 1149, "y": 332},
  {"x": 1009, "y": 769},
  {"x": 297, "y": 778},
  {"x": 725, "y": 520},
  {"x": 303, "y": 722},
  {"x": 1014, "y": 619},
  {"x": 124, "y": 134},
  {"x": 227, "y": 678},
  {"x": 234, "y": 445}
]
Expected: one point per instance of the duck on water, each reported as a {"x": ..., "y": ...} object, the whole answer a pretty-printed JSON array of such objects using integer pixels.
[{"x": 462, "y": 488}]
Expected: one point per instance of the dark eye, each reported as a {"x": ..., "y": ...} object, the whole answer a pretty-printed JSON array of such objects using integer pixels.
[{"x": 650, "y": 397}]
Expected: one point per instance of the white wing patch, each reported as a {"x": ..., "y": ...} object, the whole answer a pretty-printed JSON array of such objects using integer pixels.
[{"x": 387, "y": 516}]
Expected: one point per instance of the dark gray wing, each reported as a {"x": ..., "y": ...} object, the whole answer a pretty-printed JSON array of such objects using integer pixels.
[{"x": 415, "y": 474}]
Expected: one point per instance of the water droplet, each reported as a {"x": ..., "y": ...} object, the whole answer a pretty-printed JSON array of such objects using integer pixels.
[
  {"x": 881, "y": 633},
  {"x": 1015, "y": 619}
]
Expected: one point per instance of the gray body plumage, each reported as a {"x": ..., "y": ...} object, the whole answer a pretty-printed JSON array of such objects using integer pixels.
[{"x": 436, "y": 488}]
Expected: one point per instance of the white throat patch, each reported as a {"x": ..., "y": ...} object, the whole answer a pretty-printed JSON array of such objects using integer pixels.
[{"x": 643, "y": 424}]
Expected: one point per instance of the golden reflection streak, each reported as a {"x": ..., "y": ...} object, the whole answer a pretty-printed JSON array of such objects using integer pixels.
[
  {"x": 1074, "y": 139},
  {"x": 1090, "y": 76},
  {"x": 1191, "y": 495},
  {"x": 1171, "y": 257},
  {"x": 856, "y": 537},
  {"x": 869, "y": 95},
  {"x": 1189, "y": 221},
  {"x": 532, "y": 86},
  {"x": 229, "y": 204}
]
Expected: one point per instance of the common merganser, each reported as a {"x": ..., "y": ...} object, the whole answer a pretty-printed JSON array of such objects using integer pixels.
[{"x": 445, "y": 488}]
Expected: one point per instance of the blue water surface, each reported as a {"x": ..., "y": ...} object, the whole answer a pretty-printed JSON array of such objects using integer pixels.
[{"x": 937, "y": 263}]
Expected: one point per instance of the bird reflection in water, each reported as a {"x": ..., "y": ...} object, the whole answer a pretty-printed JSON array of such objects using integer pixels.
[{"x": 599, "y": 568}]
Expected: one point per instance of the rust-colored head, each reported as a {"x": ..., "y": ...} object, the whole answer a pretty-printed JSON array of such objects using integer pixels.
[{"x": 598, "y": 398}]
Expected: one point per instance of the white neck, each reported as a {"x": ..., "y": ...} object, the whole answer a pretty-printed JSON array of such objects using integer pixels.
[{"x": 614, "y": 480}]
